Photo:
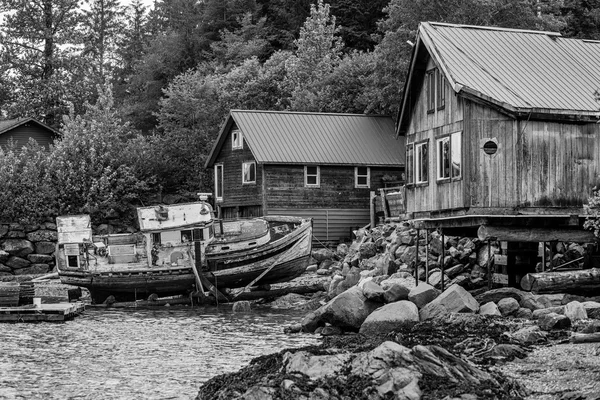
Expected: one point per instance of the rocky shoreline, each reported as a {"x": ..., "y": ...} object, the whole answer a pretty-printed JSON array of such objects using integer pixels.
[{"x": 386, "y": 337}]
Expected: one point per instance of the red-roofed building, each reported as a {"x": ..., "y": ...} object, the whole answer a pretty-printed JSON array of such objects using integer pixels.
[{"x": 315, "y": 165}]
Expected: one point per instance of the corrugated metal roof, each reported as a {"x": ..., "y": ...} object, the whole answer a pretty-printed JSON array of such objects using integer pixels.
[
  {"x": 277, "y": 137},
  {"x": 519, "y": 70}
]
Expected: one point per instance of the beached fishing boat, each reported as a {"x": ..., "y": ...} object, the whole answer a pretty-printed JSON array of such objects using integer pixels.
[{"x": 179, "y": 249}]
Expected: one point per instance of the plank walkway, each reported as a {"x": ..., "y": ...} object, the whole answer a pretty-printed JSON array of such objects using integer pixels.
[{"x": 56, "y": 312}]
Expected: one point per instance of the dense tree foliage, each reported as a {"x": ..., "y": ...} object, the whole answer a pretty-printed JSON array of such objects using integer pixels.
[{"x": 178, "y": 67}]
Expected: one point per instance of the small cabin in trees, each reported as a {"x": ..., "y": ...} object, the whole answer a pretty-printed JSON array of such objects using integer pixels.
[
  {"x": 317, "y": 165},
  {"x": 20, "y": 130},
  {"x": 502, "y": 133}
]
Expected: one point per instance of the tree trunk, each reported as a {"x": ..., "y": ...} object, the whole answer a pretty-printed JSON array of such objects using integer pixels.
[{"x": 581, "y": 282}]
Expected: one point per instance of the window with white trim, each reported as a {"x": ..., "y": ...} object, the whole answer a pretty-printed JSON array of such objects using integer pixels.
[
  {"x": 312, "y": 175},
  {"x": 219, "y": 181},
  {"x": 449, "y": 156},
  {"x": 249, "y": 172},
  {"x": 362, "y": 177},
  {"x": 237, "y": 140},
  {"x": 421, "y": 162}
]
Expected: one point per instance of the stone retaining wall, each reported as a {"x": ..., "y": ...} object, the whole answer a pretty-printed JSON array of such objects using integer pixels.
[{"x": 27, "y": 249}]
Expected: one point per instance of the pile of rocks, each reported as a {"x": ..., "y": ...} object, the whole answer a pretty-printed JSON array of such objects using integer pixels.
[{"x": 27, "y": 249}]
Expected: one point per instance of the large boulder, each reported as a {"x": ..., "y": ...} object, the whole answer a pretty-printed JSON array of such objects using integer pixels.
[
  {"x": 508, "y": 306},
  {"x": 390, "y": 317},
  {"x": 45, "y": 247},
  {"x": 422, "y": 294},
  {"x": 575, "y": 311},
  {"x": 367, "y": 250},
  {"x": 396, "y": 292},
  {"x": 33, "y": 269},
  {"x": 399, "y": 278},
  {"x": 373, "y": 291},
  {"x": 490, "y": 308},
  {"x": 4, "y": 256},
  {"x": 554, "y": 321},
  {"x": 315, "y": 367},
  {"x": 18, "y": 247},
  {"x": 17, "y": 263},
  {"x": 530, "y": 335},
  {"x": 321, "y": 255},
  {"x": 43, "y": 236},
  {"x": 455, "y": 299},
  {"x": 435, "y": 279},
  {"x": 350, "y": 280},
  {"x": 349, "y": 309},
  {"x": 592, "y": 309},
  {"x": 498, "y": 294},
  {"x": 40, "y": 258}
]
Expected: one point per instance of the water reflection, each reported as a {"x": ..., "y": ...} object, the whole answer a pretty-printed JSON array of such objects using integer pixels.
[{"x": 136, "y": 354}]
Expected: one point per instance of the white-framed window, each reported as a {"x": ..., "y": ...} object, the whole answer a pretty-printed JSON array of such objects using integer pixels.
[
  {"x": 312, "y": 175},
  {"x": 449, "y": 156},
  {"x": 362, "y": 177},
  {"x": 249, "y": 172},
  {"x": 410, "y": 163},
  {"x": 237, "y": 139},
  {"x": 421, "y": 162},
  {"x": 219, "y": 181}
]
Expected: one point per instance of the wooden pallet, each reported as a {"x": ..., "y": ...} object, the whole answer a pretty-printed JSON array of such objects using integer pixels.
[
  {"x": 9, "y": 294},
  {"x": 44, "y": 312}
]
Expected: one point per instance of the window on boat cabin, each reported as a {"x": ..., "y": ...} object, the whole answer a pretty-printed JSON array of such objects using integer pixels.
[
  {"x": 312, "y": 176},
  {"x": 410, "y": 163},
  {"x": 237, "y": 140},
  {"x": 186, "y": 236},
  {"x": 421, "y": 162},
  {"x": 362, "y": 177},
  {"x": 430, "y": 87},
  {"x": 440, "y": 89},
  {"x": 449, "y": 156},
  {"x": 156, "y": 238},
  {"x": 249, "y": 172},
  {"x": 219, "y": 182},
  {"x": 198, "y": 234},
  {"x": 73, "y": 261}
]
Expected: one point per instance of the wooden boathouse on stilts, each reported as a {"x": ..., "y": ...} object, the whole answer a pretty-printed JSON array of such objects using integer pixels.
[{"x": 503, "y": 141}]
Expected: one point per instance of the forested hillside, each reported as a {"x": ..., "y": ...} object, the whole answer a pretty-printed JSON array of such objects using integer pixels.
[{"x": 139, "y": 93}]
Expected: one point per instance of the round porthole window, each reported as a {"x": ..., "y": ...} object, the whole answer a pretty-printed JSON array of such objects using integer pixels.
[{"x": 490, "y": 147}]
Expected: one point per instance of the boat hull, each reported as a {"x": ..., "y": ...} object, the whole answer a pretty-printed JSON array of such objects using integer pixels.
[{"x": 277, "y": 261}]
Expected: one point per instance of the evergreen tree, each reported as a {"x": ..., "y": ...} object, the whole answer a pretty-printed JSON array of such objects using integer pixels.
[{"x": 35, "y": 41}]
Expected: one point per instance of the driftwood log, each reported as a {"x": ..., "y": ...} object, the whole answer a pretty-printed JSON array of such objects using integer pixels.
[
  {"x": 518, "y": 234},
  {"x": 582, "y": 282},
  {"x": 585, "y": 337},
  {"x": 266, "y": 294}
]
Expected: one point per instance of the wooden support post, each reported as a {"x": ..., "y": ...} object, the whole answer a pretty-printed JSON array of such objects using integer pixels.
[
  {"x": 372, "y": 198},
  {"x": 384, "y": 203},
  {"x": 543, "y": 256},
  {"x": 427, "y": 256},
  {"x": 443, "y": 259},
  {"x": 489, "y": 266},
  {"x": 417, "y": 260}
]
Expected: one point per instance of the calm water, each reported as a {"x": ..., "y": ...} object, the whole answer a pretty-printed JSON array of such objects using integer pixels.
[{"x": 136, "y": 354}]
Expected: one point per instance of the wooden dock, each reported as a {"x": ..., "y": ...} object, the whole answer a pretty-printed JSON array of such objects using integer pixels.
[{"x": 57, "y": 312}]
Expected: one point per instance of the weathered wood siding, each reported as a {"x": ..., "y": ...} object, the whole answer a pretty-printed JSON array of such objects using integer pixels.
[
  {"x": 539, "y": 164},
  {"x": 284, "y": 187},
  {"x": 234, "y": 192},
  {"x": 329, "y": 225},
  {"x": 430, "y": 126},
  {"x": 21, "y": 134},
  {"x": 493, "y": 179}
]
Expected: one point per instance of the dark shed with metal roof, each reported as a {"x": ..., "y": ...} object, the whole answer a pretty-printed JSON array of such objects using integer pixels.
[
  {"x": 20, "y": 130},
  {"x": 319, "y": 165}
]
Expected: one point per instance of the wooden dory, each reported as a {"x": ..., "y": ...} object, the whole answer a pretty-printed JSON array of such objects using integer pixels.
[{"x": 179, "y": 246}]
